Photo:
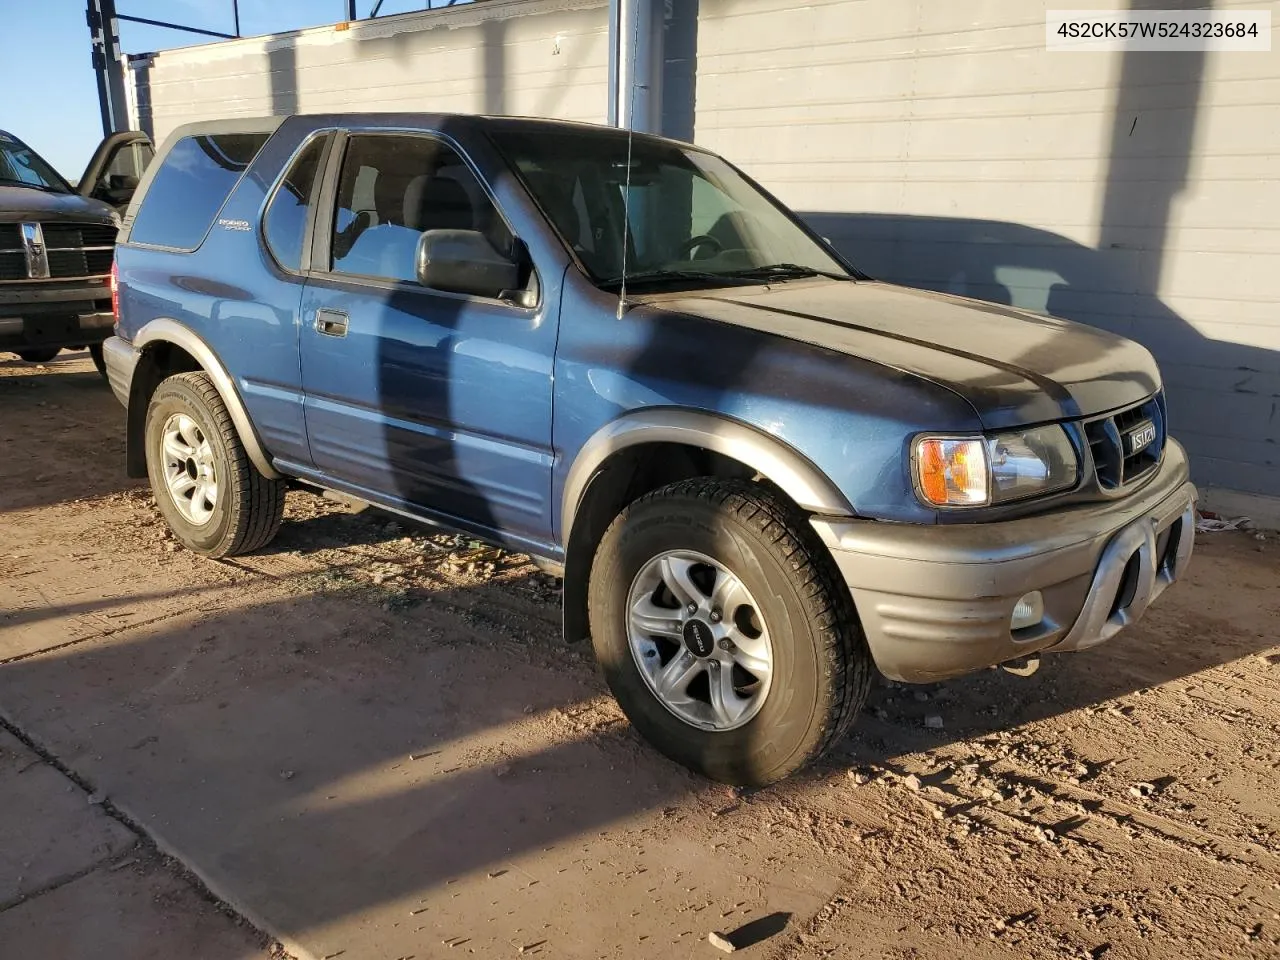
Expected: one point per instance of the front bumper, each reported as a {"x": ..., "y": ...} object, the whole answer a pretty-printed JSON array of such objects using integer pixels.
[
  {"x": 70, "y": 313},
  {"x": 55, "y": 330},
  {"x": 936, "y": 601}
]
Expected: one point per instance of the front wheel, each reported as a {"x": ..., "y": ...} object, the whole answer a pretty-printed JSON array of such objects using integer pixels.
[
  {"x": 99, "y": 362},
  {"x": 724, "y": 633},
  {"x": 214, "y": 499},
  {"x": 38, "y": 354}
]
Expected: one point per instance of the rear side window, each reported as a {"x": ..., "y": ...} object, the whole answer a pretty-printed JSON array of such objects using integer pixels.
[
  {"x": 193, "y": 182},
  {"x": 285, "y": 223}
]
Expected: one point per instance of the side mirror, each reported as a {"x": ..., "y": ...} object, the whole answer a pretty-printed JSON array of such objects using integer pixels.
[{"x": 463, "y": 261}]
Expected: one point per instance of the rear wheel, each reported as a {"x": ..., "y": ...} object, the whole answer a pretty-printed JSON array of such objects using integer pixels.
[
  {"x": 38, "y": 354},
  {"x": 723, "y": 631},
  {"x": 214, "y": 499}
]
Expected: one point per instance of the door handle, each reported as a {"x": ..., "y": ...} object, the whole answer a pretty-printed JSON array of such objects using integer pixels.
[{"x": 332, "y": 323}]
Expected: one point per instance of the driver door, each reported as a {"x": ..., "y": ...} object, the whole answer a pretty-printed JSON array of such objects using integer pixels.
[{"x": 116, "y": 167}]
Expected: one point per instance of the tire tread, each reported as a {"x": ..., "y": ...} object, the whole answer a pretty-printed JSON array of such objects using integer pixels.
[
  {"x": 845, "y": 661},
  {"x": 257, "y": 504}
]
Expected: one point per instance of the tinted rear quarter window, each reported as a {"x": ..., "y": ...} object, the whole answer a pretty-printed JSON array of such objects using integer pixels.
[
  {"x": 285, "y": 223},
  {"x": 189, "y": 188}
]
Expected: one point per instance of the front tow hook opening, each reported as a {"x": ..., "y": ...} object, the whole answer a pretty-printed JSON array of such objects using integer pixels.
[{"x": 1022, "y": 666}]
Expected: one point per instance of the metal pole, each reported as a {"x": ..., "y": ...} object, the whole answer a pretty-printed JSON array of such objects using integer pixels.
[
  {"x": 632, "y": 64},
  {"x": 235, "y": 10},
  {"x": 104, "y": 32},
  {"x": 176, "y": 26},
  {"x": 351, "y": 9},
  {"x": 615, "y": 48}
]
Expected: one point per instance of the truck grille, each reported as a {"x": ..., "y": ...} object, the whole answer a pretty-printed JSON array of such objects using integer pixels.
[
  {"x": 1128, "y": 445},
  {"x": 72, "y": 249},
  {"x": 79, "y": 249},
  {"x": 13, "y": 262}
]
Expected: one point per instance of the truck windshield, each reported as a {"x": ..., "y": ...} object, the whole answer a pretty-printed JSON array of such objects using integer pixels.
[
  {"x": 22, "y": 166},
  {"x": 690, "y": 217}
]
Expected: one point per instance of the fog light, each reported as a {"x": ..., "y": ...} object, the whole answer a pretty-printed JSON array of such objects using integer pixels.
[{"x": 1028, "y": 611}]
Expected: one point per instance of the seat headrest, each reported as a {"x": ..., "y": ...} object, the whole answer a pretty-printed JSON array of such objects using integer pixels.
[
  {"x": 388, "y": 195},
  {"x": 437, "y": 203}
]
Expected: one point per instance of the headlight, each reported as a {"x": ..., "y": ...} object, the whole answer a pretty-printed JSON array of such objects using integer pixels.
[{"x": 976, "y": 471}]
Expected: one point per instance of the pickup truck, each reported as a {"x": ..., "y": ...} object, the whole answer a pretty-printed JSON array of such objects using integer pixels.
[
  {"x": 56, "y": 245},
  {"x": 762, "y": 474}
]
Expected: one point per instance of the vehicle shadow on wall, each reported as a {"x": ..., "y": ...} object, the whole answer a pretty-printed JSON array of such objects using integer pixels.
[
  {"x": 1224, "y": 397},
  {"x": 1037, "y": 270}
]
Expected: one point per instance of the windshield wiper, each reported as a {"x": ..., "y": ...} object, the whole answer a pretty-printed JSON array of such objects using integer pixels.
[
  {"x": 24, "y": 183},
  {"x": 786, "y": 271},
  {"x": 702, "y": 276}
]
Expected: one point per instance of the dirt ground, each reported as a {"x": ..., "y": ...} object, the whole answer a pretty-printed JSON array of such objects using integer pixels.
[{"x": 369, "y": 741}]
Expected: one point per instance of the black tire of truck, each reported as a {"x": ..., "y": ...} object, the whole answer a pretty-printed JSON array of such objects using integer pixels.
[
  {"x": 38, "y": 354},
  {"x": 248, "y": 508},
  {"x": 99, "y": 362},
  {"x": 822, "y": 668}
]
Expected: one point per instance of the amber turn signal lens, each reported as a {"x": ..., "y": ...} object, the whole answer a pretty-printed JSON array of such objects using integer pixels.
[{"x": 952, "y": 472}]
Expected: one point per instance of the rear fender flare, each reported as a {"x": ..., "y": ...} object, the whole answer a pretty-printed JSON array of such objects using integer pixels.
[{"x": 164, "y": 330}]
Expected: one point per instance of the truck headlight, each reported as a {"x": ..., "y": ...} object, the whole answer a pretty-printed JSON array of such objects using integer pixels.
[{"x": 976, "y": 471}]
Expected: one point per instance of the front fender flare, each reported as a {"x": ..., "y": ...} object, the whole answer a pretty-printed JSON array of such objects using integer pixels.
[
  {"x": 769, "y": 456},
  {"x": 164, "y": 330}
]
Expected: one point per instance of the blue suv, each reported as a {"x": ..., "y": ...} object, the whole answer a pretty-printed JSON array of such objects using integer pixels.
[{"x": 761, "y": 473}]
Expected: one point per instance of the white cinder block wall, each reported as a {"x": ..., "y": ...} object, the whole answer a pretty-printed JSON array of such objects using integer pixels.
[
  {"x": 940, "y": 144},
  {"x": 536, "y": 57}
]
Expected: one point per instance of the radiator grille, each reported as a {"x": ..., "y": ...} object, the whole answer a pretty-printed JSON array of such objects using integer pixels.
[
  {"x": 79, "y": 249},
  {"x": 13, "y": 262},
  {"x": 73, "y": 250},
  {"x": 1122, "y": 453}
]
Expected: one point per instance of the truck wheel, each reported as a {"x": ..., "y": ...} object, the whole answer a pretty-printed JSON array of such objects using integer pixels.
[
  {"x": 38, "y": 354},
  {"x": 99, "y": 362},
  {"x": 213, "y": 497},
  {"x": 724, "y": 633}
]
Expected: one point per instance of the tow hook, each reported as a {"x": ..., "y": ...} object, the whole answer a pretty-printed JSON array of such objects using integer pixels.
[{"x": 1022, "y": 666}]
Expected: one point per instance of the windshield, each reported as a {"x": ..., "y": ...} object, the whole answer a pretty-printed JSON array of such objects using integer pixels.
[
  {"x": 691, "y": 217},
  {"x": 21, "y": 165}
]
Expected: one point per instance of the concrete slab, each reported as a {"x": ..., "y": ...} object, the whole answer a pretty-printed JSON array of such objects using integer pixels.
[
  {"x": 48, "y": 829},
  {"x": 49, "y": 599},
  {"x": 356, "y": 779},
  {"x": 140, "y": 912}
]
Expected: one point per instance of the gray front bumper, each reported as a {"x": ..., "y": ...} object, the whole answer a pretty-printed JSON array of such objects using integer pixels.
[
  {"x": 936, "y": 601},
  {"x": 120, "y": 359}
]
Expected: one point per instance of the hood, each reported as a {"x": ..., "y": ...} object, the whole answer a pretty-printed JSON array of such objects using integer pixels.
[
  {"x": 26, "y": 203},
  {"x": 1013, "y": 367}
]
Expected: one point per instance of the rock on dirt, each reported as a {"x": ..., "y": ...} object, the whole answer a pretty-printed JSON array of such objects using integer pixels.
[{"x": 720, "y": 942}]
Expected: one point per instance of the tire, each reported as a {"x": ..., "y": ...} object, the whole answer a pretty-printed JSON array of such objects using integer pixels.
[
  {"x": 246, "y": 511},
  {"x": 38, "y": 354},
  {"x": 99, "y": 362},
  {"x": 821, "y": 667}
]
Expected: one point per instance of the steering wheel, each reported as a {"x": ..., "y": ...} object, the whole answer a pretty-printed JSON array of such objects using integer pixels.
[{"x": 687, "y": 248}]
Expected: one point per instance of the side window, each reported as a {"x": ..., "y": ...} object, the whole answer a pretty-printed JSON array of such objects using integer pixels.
[
  {"x": 130, "y": 162},
  {"x": 193, "y": 182},
  {"x": 285, "y": 223},
  {"x": 392, "y": 189}
]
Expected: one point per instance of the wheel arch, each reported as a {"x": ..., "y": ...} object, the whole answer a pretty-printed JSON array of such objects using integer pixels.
[
  {"x": 647, "y": 449},
  {"x": 166, "y": 347}
]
